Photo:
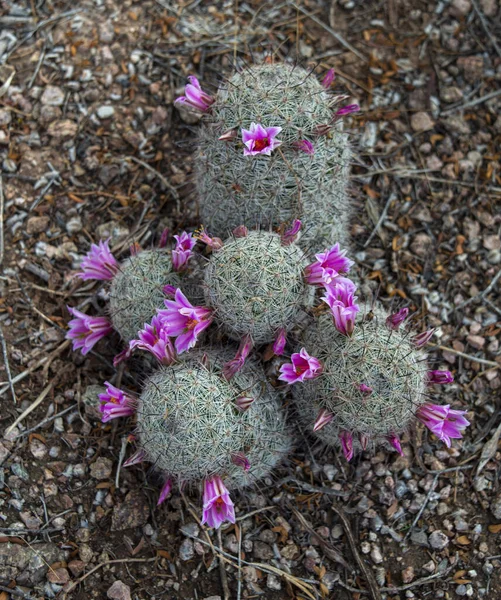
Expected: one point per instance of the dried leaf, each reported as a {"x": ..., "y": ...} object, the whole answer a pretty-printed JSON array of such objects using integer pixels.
[
  {"x": 164, "y": 554},
  {"x": 495, "y": 528},
  {"x": 6, "y": 76},
  {"x": 489, "y": 450},
  {"x": 463, "y": 540},
  {"x": 459, "y": 574}
]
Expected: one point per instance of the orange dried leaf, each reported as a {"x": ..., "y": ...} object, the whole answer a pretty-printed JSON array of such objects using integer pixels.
[
  {"x": 164, "y": 554},
  {"x": 463, "y": 540},
  {"x": 495, "y": 528}
]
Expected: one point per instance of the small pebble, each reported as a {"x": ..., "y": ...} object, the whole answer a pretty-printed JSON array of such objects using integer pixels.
[
  {"x": 105, "y": 112},
  {"x": 438, "y": 540}
]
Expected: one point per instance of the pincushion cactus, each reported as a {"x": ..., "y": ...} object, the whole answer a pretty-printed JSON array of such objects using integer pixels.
[
  {"x": 256, "y": 287},
  {"x": 271, "y": 149},
  {"x": 137, "y": 290},
  {"x": 191, "y": 427},
  {"x": 371, "y": 385}
]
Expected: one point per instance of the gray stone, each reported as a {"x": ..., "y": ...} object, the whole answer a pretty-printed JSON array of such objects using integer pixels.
[
  {"x": 186, "y": 550},
  {"x": 105, "y": 112},
  {"x": 52, "y": 96},
  {"x": 262, "y": 551},
  {"x": 101, "y": 468},
  {"x": 496, "y": 506},
  {"x": 132, "y": 512},
  {"x": 421, "y": 121},
  {"x": 28, "y": 565},
  {"x": 419, "y": 538},
  {"x": 438, "y": 540},
  {"x": 119, "y": 591}
]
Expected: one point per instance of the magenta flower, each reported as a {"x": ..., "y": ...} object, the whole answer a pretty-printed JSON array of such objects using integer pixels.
[
  {"x": 260, "y": 140},
  {"x": 86, "y": 331},
  {"x": 184, "y": 321},
  {"x": 232, "y": 367},
  {"x": 213, "y": 243},
  {"x": 394, "y": 321},
  {"x": 289, "y": 236},
  {"x": 243, "y": 403},
  {"x": 346, "y": 110},
  {"x": 239, "y": 459},
  {"x": 304, "y": 146},
  {"x": 445, "y": 422},
  {"x": 341, "y": 301},
  {"x": 394, "y": 440},
  {"x": 423, "y": 338},
  {"x": 195, "y": 97},
  {"x": 323, "y": 418},
  {"x": 183, "y": 250},
  {"x": 346, "y": 440},
  {"x": 240, "y": 232},
  {"x": 169, "y": 290},
  {"x": 115, "y": 403},
  {"x": 279, "y": 343},
  {"x": 218, "y": 506},
  {"x": 153, "y": 338},
  {"x": 138, "y": 457},
  {"x": 329, "y": 265},
  {"x": 302, "y": 367},
  {"x": 329, "y": 78},
  {"x": 440, "y": 377},
  {"x": 99, "y": 263},
  {"x": 365, "y": 389},
  {"x": 165, "y": 491},
  {"x": 164, "y": 237}
]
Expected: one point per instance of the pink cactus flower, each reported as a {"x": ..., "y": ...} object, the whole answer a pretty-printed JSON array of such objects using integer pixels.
[
  {"x": 169, "y": 290},
  {"x": 86, "y": 331},
  {"x": 239, "y": 459},
  {"x": 121, "y": 356},
  {"x": 153, "y": 338},
  {"x": 182, "y": 320},
  {"x": 445, "y": 422},
  {"x": 115, "y": 403},
  {"x": 213, "y": 243},
  {"x": 394, "y": 440},
  {"x": 165, "y": 491},
  {"x": 240, "y": 232},
  {"x": 365, "y": 389},
  {"x": 440, "y": 377},
  {"x": 422, "y": 339},
  {"x": 260, "y": 140},
  {"x": 329, "y": 78},
  {"x": 346, "y": 440},
  {"x": 243, "y": 403},
  {"x": 394, "y": 321},
  {"x": 218, "y": 506},
  {"x": 302, "y": 367},
  {"x": 279, "y": 343},
  {"x": 183, "y": 250},
  {"x": 99, "y": 263},
  {"x": 304, "y": 146},
  {"x": 341, "y": 301},
  {"x": 323, "y": 418},
  {"x": 346, "y": 110},
  {"x": 329, "y": 265},
  {"x": 231, "y": 368},
  {"x": 138, "y": 457},
  {"x": 290, "y": 235},
  {"x": 195, "y": 97},
  {"x": 164, "y": 238}
]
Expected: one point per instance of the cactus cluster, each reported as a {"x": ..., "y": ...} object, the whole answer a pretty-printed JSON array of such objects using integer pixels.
[
  {"x": 290, "y": 184},
  {"x": 271, "y": 177}
]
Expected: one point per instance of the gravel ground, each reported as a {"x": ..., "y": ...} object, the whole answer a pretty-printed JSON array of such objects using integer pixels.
[{"x": 91, "y": 147}]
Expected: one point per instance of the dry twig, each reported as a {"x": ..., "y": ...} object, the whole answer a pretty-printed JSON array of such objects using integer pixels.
[{"x": 7, "y": 366}]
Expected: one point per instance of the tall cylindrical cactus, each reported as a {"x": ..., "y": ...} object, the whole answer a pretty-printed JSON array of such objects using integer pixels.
[{"x": 302, "y": 174}]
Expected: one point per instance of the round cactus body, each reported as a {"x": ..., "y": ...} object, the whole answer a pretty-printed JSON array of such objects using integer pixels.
[
  {"x": 256, "y": 286},
  {"x": 137, "y": 290},
  {"x": 191, "y": 428},
  {"x": 289, "y": 184},
  {"x": 372, "y": 382}
]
